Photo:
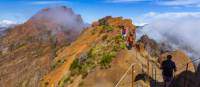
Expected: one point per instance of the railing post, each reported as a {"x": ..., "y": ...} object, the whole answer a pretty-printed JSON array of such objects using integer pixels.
[
  {"x": 148, "y": 71},
  {"x": 132, "y": 75},
  {"x": 185, "y": 79},
  {"x": 154, "y": 75},
  {"x": 155, "y": 78}
]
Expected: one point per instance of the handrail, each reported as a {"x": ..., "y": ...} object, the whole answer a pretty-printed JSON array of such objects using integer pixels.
[
  {"x": 125, "y": 74},
  {"x": 183, "y": 65}
]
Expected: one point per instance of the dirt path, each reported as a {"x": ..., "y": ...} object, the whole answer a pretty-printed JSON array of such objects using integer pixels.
[{"x": 140, "y": 60}]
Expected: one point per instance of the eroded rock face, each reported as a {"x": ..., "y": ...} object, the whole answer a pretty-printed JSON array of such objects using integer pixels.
[{"x": 145, "y": 43}]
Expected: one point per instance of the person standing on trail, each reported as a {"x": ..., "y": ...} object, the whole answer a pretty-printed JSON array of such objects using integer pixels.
[
  {"x": 130, "y": 41},
  {"x": 124, "y": 32},
  {"x": 134, "y": 38},
  {"x": 169, "y": 67}
]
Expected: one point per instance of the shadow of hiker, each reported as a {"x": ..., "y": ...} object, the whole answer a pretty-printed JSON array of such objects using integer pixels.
[
  {"x": 145, "y": 77},
  {"x": 140, "y": 77}
]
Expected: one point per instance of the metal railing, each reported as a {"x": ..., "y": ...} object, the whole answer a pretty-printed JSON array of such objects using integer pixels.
[
  {"x": 181, "y": 68},
  {"x": 131, "y": 67},
  {"x": 154, "y": 73}
]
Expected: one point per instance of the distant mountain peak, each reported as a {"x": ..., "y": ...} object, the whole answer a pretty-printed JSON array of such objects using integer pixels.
[{"x": 59, "y": 18}]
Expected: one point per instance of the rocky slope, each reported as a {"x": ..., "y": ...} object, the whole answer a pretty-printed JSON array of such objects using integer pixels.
[
  {"x": 96, "y": 47},
  {"x": 99, "y": 58},
  {"x": 27, "y": 50}
]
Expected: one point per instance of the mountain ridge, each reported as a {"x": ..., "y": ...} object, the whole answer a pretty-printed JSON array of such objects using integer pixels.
[{"x": 44, "y": 52}]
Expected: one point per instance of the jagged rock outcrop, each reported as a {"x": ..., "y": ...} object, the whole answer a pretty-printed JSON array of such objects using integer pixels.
[{"x": 149, "y": 45}]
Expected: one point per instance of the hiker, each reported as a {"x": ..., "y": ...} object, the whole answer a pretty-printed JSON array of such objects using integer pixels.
[
  {"x": 168, "y": 67},
  {"x": 130, "y": 41},
  {"x": 134, "y": 38},
  {"x": 124, "y": 32}
]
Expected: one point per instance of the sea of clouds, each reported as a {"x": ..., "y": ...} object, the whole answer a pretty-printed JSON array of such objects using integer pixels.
[{"x": 181, "y": 30}]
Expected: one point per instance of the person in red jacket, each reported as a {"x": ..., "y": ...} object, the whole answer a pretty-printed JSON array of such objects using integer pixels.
[{"x": 130, "y": 41}]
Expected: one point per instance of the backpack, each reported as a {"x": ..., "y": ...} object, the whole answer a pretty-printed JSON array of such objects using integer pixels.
[
  {"x": 123, "y": 31},
  {"x": 168, "y": 67}
]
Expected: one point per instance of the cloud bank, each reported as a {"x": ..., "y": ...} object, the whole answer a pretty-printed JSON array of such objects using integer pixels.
[
  {"x": 181, "y": 30},
  {"x": 6, "y": 23}
]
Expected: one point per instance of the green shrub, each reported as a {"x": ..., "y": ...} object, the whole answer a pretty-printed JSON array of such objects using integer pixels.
[
  {"x": 57, "y": 63},
  {"x": 107, "y": 28},
  {"x": 115, "y": 47},
  {"x": 93, "y": 31},
  {"x": 66, "y": 80},
  {"x": 118, "y": 38},
  {"x": 122, "y": 45},
  {"x": 75, "y": 67},
  {"x": 106, "y": 59},
  {"x": 104, "y": 37},
  {"x": 102, "y": 21},
  {"x": 53, "y": 66}
]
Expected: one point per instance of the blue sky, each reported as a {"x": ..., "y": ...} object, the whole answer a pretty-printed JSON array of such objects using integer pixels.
[
  {"x": 91, "y": 10},
  {"x": 179, "y": 19}
]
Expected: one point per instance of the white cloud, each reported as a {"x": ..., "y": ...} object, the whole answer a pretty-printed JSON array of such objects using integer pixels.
[
  {"x": 6, "y": 23},
  {"x": 125, "y": 1},
  {"x": 191, "y": 3},
  {"x": 47, "y": 2},
  {"x": 179, "y": 2},
  {"x": 180, "y": 29}
]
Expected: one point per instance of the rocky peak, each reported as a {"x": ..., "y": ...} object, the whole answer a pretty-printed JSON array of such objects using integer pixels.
[
  {"x": 116, "y": 21},
  {"x": 149, "y": 45},
  {"x": 33, "y": 45},
  {"x": 58, "y": 19}
]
